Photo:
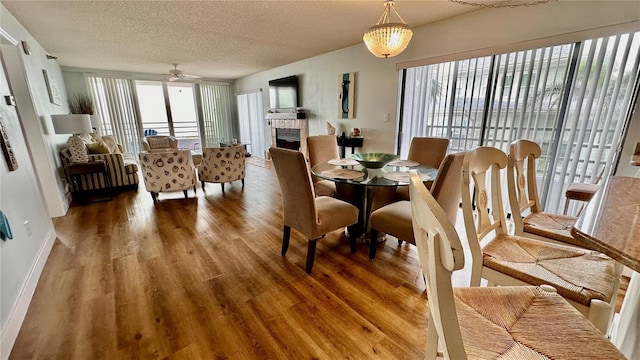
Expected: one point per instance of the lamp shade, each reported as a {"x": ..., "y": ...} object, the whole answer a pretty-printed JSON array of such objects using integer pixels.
[
  {"x": 386, "y": 38},
  {"x": 72, "y": 123},
  {"x": 95, "y": 121}
]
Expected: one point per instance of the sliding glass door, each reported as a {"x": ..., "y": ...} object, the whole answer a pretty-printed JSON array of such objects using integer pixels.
[{"x": 573, "y": 99}]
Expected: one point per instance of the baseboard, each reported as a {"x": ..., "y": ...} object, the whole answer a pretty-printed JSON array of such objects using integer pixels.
[{"x": 19, "y": 310}]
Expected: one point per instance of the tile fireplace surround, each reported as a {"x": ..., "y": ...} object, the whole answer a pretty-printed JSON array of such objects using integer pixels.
[{"x": 288, "y": 121}]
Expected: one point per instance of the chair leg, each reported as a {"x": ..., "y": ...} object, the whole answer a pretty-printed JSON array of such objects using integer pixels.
[
  {"x": 399, "y": 242},
  {"x": 311, "y": 254},
  {"x": 353, "y": 242},
  {"x": 194, "y": 190},
  {"x": 286, "y": 234},
  {"x": 242, "y": 182},
  {"x": 373, "y": 244},
  {"x": 566, "y": 206},
  {"x": 186, "y": 196},
  {"x": 202, "y": 182},
  {"x": 432, "y": 340},
  {"x": 222, "y": 186},
  {"x": 154, "y": 196}
]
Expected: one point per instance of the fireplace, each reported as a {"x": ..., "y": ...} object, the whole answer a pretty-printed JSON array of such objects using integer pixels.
[
  {"x": 288, "y": 132},
  {"x": 288, "y": 138}
]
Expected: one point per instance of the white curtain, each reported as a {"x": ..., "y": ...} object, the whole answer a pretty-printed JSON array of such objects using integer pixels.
[{"x": 251, "y": 120}]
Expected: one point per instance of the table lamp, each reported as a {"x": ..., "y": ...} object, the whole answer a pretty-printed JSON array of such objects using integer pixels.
[{"x": 75, "y": 124}]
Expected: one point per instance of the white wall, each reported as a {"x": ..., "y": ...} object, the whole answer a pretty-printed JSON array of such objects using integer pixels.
[
  {"x": 21, "y": 200},
  {"x": 27, "y": 80},
  {"x": 478, "y": 33}
]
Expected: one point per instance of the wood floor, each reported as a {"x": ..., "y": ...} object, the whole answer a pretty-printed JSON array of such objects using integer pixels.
[{"x": 202, "y": 278}]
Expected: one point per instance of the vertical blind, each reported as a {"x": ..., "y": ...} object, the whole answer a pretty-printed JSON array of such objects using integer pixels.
[
  {"x": 216, "y": 113},
  {"x": 115, "y": 103},
  {"x": 574, "y": 100}
]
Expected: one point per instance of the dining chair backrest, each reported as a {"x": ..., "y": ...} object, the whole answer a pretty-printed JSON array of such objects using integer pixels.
[
  {"x": 321, "y": 148},
  {"x": 429, "y": 151},
  {"x": 447, "y": 183},
  {"x": 298, "y": 203},
  {"x": 521, "y": 177},
  {"x": 440, "y": 252},
  {"x": 482, "y": 164}
]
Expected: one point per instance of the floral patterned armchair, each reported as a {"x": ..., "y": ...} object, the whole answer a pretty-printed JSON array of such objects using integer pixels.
[
  {"x": 159, "y": 142},
  {"x": 222, "y": 165},
  {"x": 171, "y": 170}
]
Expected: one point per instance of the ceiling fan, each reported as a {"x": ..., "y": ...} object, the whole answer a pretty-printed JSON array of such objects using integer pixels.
[{"x": 179, "y": 75}]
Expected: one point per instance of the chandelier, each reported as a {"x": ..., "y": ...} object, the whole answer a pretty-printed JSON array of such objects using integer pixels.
[{"x": 387, "y": 39}]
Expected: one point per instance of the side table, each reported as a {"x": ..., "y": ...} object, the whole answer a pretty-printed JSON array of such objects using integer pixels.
[
  {"x": 73, "y": 172},
  {"x": 352, "y": 142}
]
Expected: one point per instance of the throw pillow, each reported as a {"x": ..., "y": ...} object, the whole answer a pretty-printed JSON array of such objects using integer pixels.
[
  {"x": 77, "y": 149},
  {"x": 111, "y": 143},
  {"x": 162, "y": 142},
  {"x": 98, "y": 148}
]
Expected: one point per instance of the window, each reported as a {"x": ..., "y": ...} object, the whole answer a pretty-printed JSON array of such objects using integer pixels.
[{"x": 573, "y": 99}]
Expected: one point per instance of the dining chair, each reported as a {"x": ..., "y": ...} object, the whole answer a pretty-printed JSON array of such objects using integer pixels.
[
  {"x": 513, "y": 322},
  {"x": 222, "y": 165},
  {"x": 395, "y": 218},
  {"x": 426, "y": 151},
  {"x": 322, "y": 148},
  {"x": 168, "y": 171},
  {"x": 584, "y": 192},
  {"x": 528, "y": 217},
  {"x": 587, "y": 279},
  {"x": 302, "y": 210}
]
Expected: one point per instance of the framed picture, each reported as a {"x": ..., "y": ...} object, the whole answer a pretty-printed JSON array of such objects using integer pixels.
[
  {"x": 52, "y": 87},
  {"x": 346, "y": 95},
  {"x": 12, "y": 162}
]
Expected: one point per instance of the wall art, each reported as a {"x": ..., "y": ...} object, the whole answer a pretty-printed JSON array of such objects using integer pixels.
[{"x": 346, "y": 95}]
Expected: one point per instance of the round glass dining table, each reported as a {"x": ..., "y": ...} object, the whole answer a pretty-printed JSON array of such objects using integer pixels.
[{"x": 367, "y": 188}]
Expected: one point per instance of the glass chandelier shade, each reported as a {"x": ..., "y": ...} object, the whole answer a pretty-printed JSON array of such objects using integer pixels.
[{"x": 388, "y": 39}]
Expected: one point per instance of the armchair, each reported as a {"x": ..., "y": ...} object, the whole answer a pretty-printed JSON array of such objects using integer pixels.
[
  {"x": 222, "y": 165},
  {"x": 168, "y": 171},
  {"x": 159, "y": 142}
]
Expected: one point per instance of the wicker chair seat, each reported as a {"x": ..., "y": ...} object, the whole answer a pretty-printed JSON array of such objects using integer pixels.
[
  {"x": 578, "y": 274},
  {"x": 549, "y": 225},
  {"x": 514, "y": 323}
]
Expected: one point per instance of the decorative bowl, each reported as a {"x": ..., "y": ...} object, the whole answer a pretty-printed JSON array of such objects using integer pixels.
[{"x": 374, "y": 160}]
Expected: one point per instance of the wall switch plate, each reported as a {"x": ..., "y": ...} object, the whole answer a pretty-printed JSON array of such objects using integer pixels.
[
  {"x": 386, "y": 117},
  {"x": 27, "y": 226}
]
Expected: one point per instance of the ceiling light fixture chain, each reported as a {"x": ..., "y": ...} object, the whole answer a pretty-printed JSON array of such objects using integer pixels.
[
  {"x": 386, "y": 38},
  {"x": 502, "y": 5}
]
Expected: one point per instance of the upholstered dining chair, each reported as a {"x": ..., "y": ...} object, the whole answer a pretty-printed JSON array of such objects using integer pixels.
[
  {"x": 322, "y": 148},
  {"x": 222, "y": 165},
  {"x": 587, "y": 279},
  {"x": 168, "y": 171},
  {"x": 515, "y": 322},
  {"x": 395, "y": 218},
  {"x": 528, "y": 217},
  {"x": 426, "y": 151},
  {"x": 302, "y": 210}
]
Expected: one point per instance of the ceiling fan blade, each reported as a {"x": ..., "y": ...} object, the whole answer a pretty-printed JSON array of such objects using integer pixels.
[
  {"x": 173, "y": 78},
  {"x": 191, "y": 76}
]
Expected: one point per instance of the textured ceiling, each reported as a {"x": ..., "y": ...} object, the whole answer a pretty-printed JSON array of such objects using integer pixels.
[{"x": 212, "y": 39}]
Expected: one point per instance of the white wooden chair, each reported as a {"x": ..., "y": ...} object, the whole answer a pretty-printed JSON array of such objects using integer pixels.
[
  {"x": 517, "y": 322},
  {"x": 587, "y": 279}
]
